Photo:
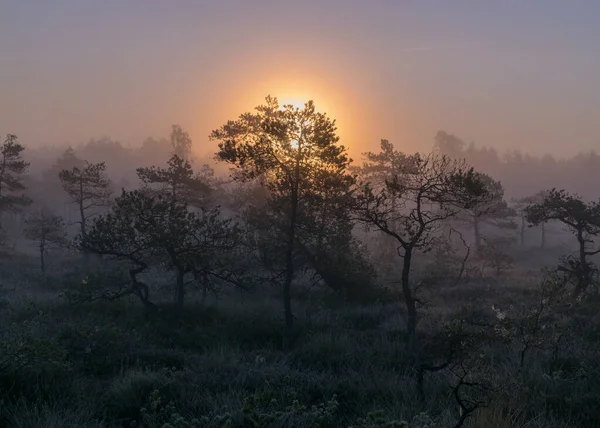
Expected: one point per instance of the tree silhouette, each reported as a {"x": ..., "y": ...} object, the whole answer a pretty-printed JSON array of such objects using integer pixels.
[
  {"x": 377, "y": 168},
  {"x": 12, "y": 168},
  {"x": 48, "y": 230},
  {"x": 290, "y": 150},
  {"x": 181, "y": 143},
  {"x": 494, "y": 253},
  {"x": 88, "y": 188},
  {"x": 412, "y": 204},
  {"x": 147, "y": 230},
  {"x": 67, "y": 160},
  {"x": 583, "y": 219},
  {"x": 449, "y": 145},
  {"x": 50, "y": 191},
  {"x": 178, "y": 181},
  {"x": 492, "y": 210},
  {"x": 520, "y": 208},
  {"x": 154, "y": 151}
]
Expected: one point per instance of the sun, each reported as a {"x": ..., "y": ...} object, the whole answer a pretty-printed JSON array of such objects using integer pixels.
[
  {"x": 297, "y": 85},
  {"x": 295, "y": 93},
  {"x": 296, "y": 102}
]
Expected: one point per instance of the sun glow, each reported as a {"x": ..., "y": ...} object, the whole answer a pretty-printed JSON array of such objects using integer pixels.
[
  {"x": 295, "y": 102},
  {"x": 330, "y": 95}
]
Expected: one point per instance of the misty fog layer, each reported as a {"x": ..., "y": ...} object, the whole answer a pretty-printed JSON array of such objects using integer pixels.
[{"x": 312, "y": 214}]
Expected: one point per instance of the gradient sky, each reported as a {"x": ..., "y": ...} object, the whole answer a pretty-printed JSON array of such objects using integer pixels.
[{"x": 510, "y": 74}]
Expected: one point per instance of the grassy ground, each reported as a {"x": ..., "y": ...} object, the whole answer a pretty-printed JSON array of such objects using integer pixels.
[{"x": 221, "y": 364}]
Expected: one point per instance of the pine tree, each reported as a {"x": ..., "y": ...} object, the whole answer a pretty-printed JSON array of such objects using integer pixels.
[
  {"x": 289, "y": 149},
  {"x": 88, "y": 187},
  {"x": 12, "y": 168}
]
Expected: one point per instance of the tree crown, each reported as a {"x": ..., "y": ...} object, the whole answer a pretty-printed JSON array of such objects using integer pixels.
[
  {"x": 287, "y": 147},
  {"x": 567, "y": 208},
  {"x": 418, "y": 193},
  {"x": 12, "y": 168}
]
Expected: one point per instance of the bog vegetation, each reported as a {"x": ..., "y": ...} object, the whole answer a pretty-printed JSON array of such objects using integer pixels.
[{"x": 140, "y": 288}]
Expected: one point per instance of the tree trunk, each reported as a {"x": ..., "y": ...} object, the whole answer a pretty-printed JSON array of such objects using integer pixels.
[
  {"x": 584, "y": 277},
  {"x": 1, "y": 183},
  {"x": 409, "y": 299},
  {"x": 289, "y": 253},
  {"x": 289, "y": 264},
  {"x": 86, "y": 254},
  {"x": 81, "y": 211},
  {"x": 322, "y": 220},
  {"x": 477, "y": 233},
  {"x": 141, "y": 290},
  {"x": 543, "y": 244},
  {"x": 42, "y": 251},
  {"x": 180, "y": 292},
  {"x": 522, "y": 231},
  {"x": 204, "y": 288}
]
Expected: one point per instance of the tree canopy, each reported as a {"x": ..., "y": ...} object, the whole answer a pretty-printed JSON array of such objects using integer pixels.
[
  {"x": 178, "y": 181},
  {"x": 151, "y": 230}
]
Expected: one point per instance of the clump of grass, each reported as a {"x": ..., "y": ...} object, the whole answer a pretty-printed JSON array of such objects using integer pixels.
[
  {"x": 24, "y": 414},
  {"x": 127, "y": 394},
  {"x": 363, "y": 318}
]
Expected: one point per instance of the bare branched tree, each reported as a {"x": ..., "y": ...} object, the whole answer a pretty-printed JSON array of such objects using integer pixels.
[{"x": 412, "y": 204}]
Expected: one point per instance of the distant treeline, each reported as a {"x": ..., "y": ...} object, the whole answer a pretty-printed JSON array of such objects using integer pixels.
[{"x": 522, "y": 174}]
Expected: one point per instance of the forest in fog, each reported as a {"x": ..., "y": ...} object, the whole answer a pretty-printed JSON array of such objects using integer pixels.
[{"x": 282, "y": 284}]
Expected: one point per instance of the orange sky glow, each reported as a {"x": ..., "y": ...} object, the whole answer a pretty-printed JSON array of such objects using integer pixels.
[{"x": 72, "y": 71}]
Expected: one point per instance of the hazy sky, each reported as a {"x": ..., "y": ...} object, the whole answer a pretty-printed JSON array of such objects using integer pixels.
[{"x": 513, "y": 74}]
